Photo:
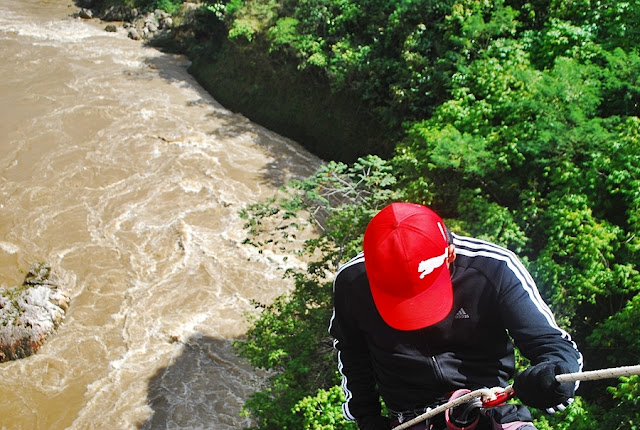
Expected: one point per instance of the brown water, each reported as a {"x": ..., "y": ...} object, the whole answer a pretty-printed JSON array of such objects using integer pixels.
[{"x": 122, "y": 173}]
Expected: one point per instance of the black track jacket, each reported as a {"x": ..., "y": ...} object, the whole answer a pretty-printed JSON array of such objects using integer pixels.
[{"x": 495, "y": 301}]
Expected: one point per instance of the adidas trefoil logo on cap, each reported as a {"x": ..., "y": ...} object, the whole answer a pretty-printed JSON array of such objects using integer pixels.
[{"x": 462, "y": 314}]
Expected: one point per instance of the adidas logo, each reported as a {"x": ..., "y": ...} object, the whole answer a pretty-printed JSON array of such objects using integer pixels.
[{"x": 462, "y": 315}]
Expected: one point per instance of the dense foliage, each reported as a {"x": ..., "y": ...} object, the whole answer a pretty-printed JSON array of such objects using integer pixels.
[
  {"x": 517, "y": 120},
  {"x": 521, "y": 126}
]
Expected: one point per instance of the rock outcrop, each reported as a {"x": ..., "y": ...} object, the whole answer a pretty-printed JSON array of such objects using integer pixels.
[
  {"x": 31, "y": 312},
  {"x": 138, "y": 25}
]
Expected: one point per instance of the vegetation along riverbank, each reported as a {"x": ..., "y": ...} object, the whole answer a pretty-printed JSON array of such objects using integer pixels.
[{"x": 517, "y": 120}]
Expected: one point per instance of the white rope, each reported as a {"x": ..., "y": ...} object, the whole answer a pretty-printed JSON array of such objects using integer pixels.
[
  {"x": 594, "y": 375},
  {"x": 488, "y": 394},
  {"x": 484, "y": 393}
]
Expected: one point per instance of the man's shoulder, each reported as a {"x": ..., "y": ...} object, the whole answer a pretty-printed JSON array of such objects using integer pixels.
[
  {"x": 352, "y": 270},
  {"x": 472, "y": 248},
  {"x": 489, "y": 259}
]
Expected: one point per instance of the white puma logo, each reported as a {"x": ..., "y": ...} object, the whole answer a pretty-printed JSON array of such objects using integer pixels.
[{"x": 427, "y": 266}]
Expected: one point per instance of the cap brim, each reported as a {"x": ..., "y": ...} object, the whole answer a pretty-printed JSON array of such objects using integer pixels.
[{"x": 420, "y": 311}]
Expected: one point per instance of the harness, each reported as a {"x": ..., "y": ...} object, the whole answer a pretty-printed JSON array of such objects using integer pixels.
[
  {"x": 408, "y": 415},
  {"x": 497, "y": 396}
]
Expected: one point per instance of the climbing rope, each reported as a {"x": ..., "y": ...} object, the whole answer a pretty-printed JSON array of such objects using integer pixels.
[
  {"x": 484, "y": 393},
  {"x": 495, "y": 396},
  {"x": 594, "y": 375}
]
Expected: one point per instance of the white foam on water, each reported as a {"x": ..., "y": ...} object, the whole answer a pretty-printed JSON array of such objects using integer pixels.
[
  {"x": 127, "y": 177},
  {"x": 9, "y": 248}
]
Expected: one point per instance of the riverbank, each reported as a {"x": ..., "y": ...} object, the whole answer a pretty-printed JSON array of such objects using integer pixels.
[{"x": 298, "y": 105}]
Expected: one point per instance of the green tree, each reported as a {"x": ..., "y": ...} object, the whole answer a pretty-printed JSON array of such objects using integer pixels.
[
  {"x": 289, "y": 336},
  {"x": 520, "y": 126}
]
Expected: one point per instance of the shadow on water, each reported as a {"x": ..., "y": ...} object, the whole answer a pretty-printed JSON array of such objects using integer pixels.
[{"x": 203, "y": 388}]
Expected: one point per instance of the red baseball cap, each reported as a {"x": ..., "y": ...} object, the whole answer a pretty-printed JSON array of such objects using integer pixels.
[{"x": 405, "y": 253}]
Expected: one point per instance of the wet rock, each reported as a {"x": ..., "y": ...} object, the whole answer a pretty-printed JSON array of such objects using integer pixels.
[
  {"x": 133, "y": 34},
  {"x": 138, "y": 26},
  {"x": 166, "y": 22},
  {"x": 151, "y": 27},
  {"x": 85, "y": 13},
  {"x": 31, "y": 312}
]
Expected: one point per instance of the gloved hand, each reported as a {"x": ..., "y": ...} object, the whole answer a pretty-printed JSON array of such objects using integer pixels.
[
  {"x": 537, "y": 385},
  {"x": 374, "y": 422},
  {"x": 464, "y": 416}
]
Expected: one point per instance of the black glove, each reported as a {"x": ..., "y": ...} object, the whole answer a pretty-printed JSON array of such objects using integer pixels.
[
  {"x": 537, "y": 385},
  {"x": 374, "y": 422}
]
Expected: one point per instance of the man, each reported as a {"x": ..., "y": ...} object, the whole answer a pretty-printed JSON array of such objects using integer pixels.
[{"x": 423, "y": 314}]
